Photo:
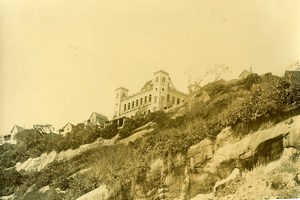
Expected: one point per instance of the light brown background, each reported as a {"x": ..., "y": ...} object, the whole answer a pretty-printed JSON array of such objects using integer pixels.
[{"x": 62, "y": 59}]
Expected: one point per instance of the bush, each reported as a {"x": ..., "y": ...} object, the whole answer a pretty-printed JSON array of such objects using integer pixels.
[
  {"x": 129, "y": 125},
  {"x": 109, "y": 131},
  {"x": 9, "y": 181}
]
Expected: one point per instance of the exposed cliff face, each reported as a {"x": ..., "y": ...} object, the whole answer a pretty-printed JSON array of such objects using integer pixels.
[
  {"x": 221, "y": 167},
  {"x": 39, "y": 163},
  {"x": 264, "y": 163}
]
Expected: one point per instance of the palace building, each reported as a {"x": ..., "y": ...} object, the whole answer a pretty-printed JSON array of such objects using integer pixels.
[{"x": 156, "y": 94}]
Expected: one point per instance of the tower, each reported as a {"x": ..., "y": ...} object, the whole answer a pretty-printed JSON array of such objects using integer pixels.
[
  {"x": 160, "y": 81},
  {"x": 121, "y": 93}
]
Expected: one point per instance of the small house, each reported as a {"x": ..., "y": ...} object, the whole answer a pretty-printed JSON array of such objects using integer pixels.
[
  {"x": 66, "y": 129},
  {"x": 96, "y": 119},
  {"x": 10, "y": 137}
]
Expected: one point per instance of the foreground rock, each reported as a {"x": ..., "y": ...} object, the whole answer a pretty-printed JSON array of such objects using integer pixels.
[
  {"x": 275, "y": 149},
  {"x": 101, "y": 193},
  {"x": 262, "y": 147}
]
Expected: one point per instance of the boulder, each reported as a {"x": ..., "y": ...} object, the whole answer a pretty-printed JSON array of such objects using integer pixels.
[
  {"x": 199, "y": 153},
  {"x": 235, "y": 173},
  {"x": 292, "y": 139},
  {"x": 156, "y": 170},
  {"x": 224, "y": 137},
  {"x": 174, "y": 183},
  {"x": 201, "y": 182},
  {"x": 10, "y": 197},
  {"x": 101, "y": 193},
  {"x": 44, "y": 189},
  {"x": 209, "y": 196}
]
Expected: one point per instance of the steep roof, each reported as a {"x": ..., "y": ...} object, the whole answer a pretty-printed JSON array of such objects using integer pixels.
[
  {"x": 65, "y": 126},
  {"x": 147, "y": 86},
  {"x": 99, "y": 116},
  {"x": 245, "y": 73},
  {"x": 19, "y": 128}
]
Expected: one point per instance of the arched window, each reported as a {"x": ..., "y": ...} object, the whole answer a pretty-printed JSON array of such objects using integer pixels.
[
  {"x": 150, "y": 98},
  {"x": 128, "y": 106},
  {"x": 145, "y": 99},
  {"x": 141, "y": 101},
  {"x": 137, "y": 102},
  {"x": 168, "y": 98},
  {"x": 132, "y": 104},
  {"x": 178, "y": 101},
  {"x": 163, "y": 89},
  {"x": 163, "y": 79},
  {"x": 173, "y": 100},
  {"x": 124, "y": 107},
  {"x": 157, "y": 79}
]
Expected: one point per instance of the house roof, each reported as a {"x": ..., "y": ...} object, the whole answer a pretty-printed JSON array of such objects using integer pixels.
[
  {"x": 245, "y": 73},
  {"x": 65, "y": 126},
  {"x": 162, "y": 71},
  {"x": 100, "y": 116},
  {"x": 19, "y": 128},
  {"x": 147, "y": 86}
]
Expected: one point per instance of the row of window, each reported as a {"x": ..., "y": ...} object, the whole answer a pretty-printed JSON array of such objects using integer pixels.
[
  {"x": 145, "y": 100},
  {"x": 136, "y": 103}
]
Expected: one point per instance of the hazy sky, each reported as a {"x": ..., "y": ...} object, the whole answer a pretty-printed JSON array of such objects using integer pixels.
[{"x": 62, "y": 59}]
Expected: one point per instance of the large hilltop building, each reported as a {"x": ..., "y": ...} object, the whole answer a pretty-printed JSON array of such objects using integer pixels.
[{"x": 156, "y": 94}]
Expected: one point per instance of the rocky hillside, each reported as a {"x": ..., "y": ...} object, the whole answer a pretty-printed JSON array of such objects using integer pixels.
[{"x": 235, "y": 139}]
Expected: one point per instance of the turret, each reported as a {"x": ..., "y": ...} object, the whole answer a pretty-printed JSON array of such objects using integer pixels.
[
  {"x": 121, "y": 93},
  {"x": 160, "y": 89}
]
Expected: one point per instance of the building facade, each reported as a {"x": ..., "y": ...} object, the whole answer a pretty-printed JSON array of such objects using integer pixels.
[
  {"x": 44, "y": 128},
  {"x": 156, "y": 94}
]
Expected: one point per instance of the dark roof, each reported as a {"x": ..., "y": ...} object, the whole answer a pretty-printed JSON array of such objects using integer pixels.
[
  {"x": 100, "y": 116},
  {"x": 147, "y": 86},
  {"x": 162, "y": 72},
  {"x": 245, "y": 73},
  {"x": 19, "y": 128}
]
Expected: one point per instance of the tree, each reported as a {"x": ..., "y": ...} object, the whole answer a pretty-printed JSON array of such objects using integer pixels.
[{"x": 219, "y": 71}]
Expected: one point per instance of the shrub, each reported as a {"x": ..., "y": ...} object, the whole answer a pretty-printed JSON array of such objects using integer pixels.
[
  {"x": 109, "y": 131},
  {"x": 9, "y": 181},
  {"x": 250, "y": 80}
]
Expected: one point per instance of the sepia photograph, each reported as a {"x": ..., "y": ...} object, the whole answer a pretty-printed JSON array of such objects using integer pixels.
[{"x": 149, "y": 99}]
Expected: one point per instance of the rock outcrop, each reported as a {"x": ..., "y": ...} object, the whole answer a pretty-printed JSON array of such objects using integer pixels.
[
  {"x": 200, "y": 153},
  {"x": 262, "y": 146},
  {"x": 101, "y": 193},
  {"x": 274, "y": 147}
]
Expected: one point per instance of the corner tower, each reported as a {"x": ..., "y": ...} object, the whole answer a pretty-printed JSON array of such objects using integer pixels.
[
  {"x": 121, "y": 93},
  {"x": 161, "y": 82}
]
